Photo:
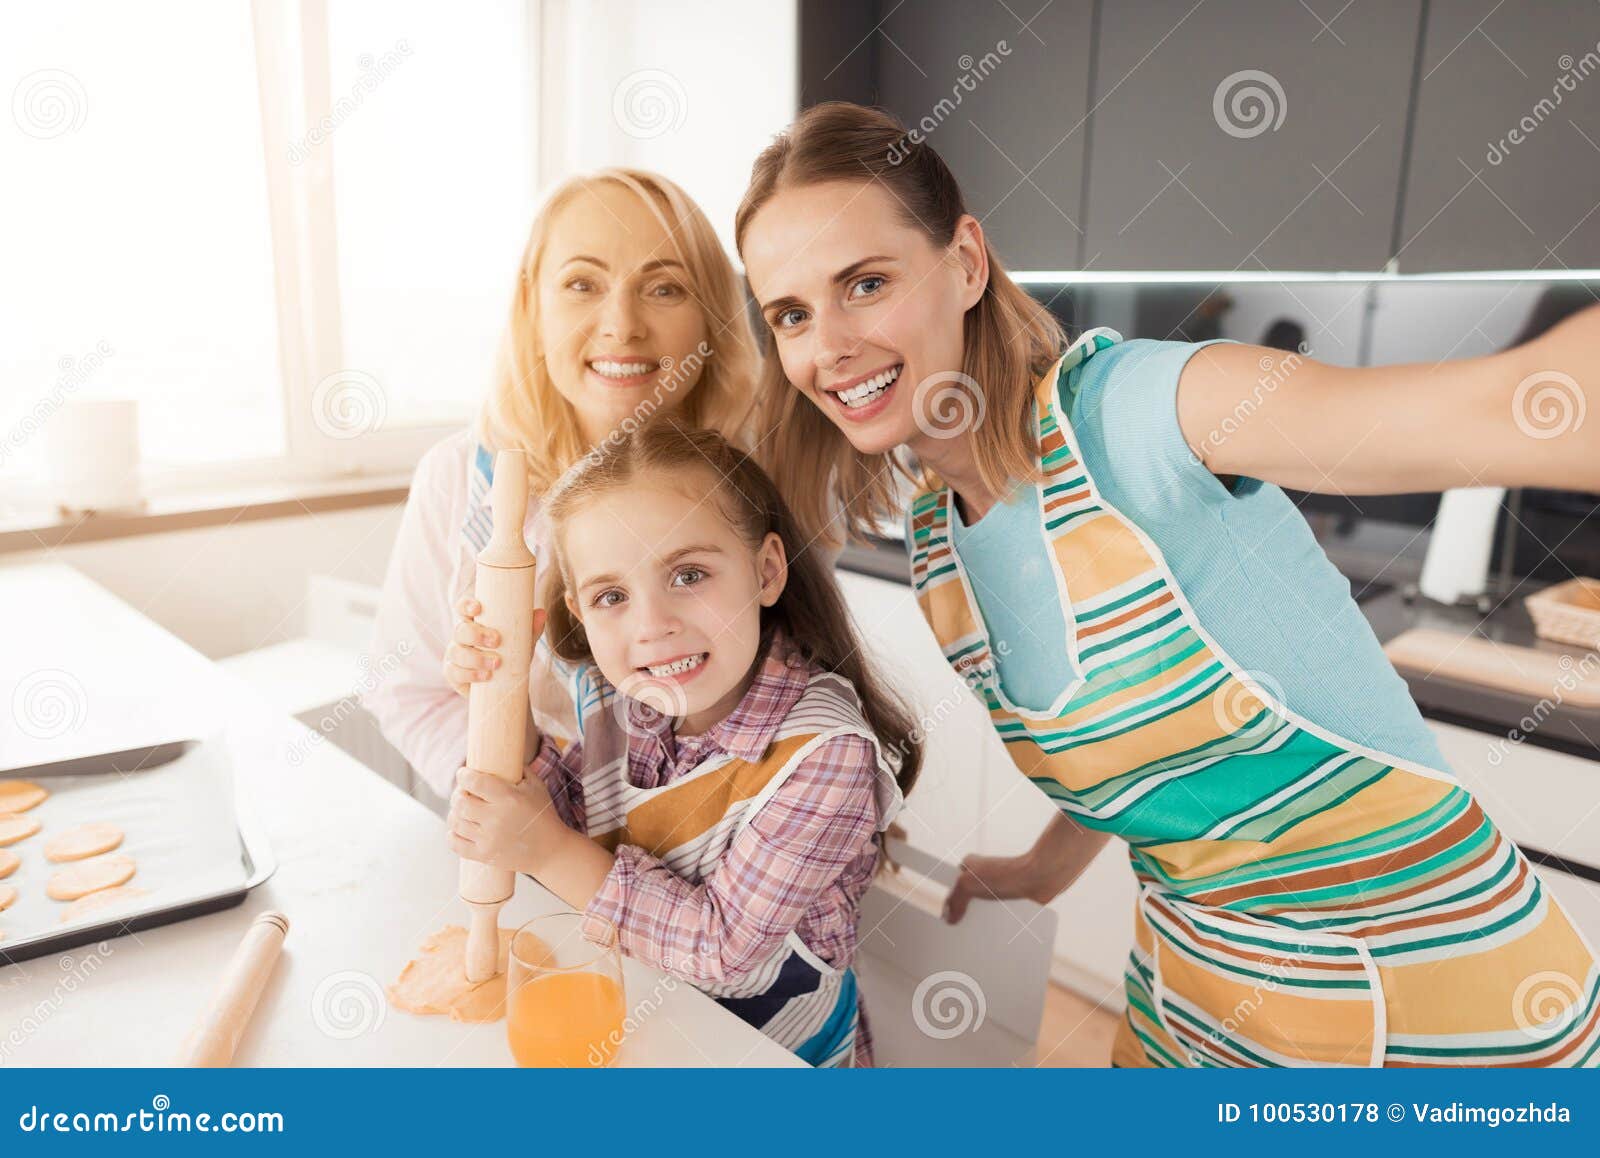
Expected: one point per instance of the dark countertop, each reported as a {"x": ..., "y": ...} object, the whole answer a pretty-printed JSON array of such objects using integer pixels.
[{"x": 1390, "y": 611}]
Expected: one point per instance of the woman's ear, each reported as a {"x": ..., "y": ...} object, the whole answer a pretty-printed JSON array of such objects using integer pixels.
[
  {"x": 772, "y": 564},
  {"x": 972, "y": 253}
]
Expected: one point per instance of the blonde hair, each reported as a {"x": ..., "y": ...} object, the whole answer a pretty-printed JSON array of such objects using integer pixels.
[
  {"x": 1009, "y": 340},
  {"x": 523, "y": 409},
  {"x": 811, "y": 611}
]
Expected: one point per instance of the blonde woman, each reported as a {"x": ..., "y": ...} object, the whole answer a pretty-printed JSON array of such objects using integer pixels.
[
  {"x": 625, "y": 305},
  {"x": 1161, "y": 644}
]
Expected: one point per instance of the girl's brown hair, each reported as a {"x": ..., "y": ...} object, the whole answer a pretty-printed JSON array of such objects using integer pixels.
[
  {"x": 1009, "y": 339},
  {"x": 811, "y": 611},
  {"x": 524, "y": 411}
]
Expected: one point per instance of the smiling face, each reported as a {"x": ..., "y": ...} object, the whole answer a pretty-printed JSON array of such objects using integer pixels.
[
  {"x": 614, "y": 302},
  {"x": 670, "y": 596},
  {"x": 863, "y": 308}
]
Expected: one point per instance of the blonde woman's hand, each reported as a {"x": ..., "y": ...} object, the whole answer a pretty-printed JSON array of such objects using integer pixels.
[{"x": 470, "y": 657}]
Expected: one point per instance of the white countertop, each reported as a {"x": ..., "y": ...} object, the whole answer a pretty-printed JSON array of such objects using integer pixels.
[{"x": 363, "y": 876}]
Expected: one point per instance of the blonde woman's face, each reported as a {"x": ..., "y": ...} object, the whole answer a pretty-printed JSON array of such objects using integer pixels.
[
  {"x": 618, "y": 326},
  {"x": 670, "y": 597},
  {"x": 864, "y": 308}
]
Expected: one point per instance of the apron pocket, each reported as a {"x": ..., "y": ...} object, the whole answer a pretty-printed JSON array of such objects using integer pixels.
[{"x": 1232, "y": 991}]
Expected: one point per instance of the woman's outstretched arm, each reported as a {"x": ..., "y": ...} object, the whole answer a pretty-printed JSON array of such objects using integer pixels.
[{"x": 1513, "y": 418}]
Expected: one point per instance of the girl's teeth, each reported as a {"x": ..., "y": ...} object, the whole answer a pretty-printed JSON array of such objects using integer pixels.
[
  {"x": 870, "y": 389},
  {"x": 678, "y": 666},
  {"x": 623, "y": 369}
]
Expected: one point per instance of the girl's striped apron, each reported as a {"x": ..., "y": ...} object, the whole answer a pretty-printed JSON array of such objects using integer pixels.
[
  {"x": 1304, "y": 900},
  {"x": 796, "y": 998}
]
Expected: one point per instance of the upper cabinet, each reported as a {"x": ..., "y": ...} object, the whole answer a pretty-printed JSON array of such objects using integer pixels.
[
  {"x": 1505, "y": 169},
  {"x": 1254, "y": 135},
  {"x": 1248, "y": 135},
  {"x": 1001, "y": 91}
]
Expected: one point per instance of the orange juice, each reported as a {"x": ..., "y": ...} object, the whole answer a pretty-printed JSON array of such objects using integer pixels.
[{"x": 565, "y": 1020}]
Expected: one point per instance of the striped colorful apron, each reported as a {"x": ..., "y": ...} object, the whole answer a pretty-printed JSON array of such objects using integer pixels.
[
  {"x": 1303, "y": 899},
  {"x": 794, "y": 997}
]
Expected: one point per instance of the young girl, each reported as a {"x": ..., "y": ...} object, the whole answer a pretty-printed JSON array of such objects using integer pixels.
[
  {"x": 624, "y": 305},
  {"x": 736, "y": 758}
]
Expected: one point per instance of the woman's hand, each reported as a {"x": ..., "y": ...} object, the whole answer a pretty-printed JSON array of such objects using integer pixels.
[
  {"x": 1056, "y": 859},
  {"x": 470, "y": 657},
  {"x": 509, "y": 826}
]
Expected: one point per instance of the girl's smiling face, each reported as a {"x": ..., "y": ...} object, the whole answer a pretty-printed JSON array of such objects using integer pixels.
[
  {"x": 863, "y": 307},
  {"x": 614, "y": 303},
  {"x": 670, "y": 596}
]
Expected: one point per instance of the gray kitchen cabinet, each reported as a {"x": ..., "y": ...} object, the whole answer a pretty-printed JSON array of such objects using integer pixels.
[
  {"x": 1248, "y": 134},
  {"x": 1505, "y": 167},
  {"x": 1001, "y": 91}
]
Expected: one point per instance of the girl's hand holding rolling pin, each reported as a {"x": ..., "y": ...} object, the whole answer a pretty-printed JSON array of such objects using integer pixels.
[{"x": 509, "y": 826}]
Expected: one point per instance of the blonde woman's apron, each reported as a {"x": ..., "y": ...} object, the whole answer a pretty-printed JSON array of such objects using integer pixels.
[{"x": 1303, "y": 899}]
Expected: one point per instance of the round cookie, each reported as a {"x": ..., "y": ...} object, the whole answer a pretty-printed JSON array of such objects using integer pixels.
[
  {"x": 8, "y": 862},
  {"x": 83, "y": 840},
  {"x": 14, "y": 828},
  {"x": 89, "y": 876},
  {"x": 20, "y": 795},
  {"x": 8, "y": 896},
  {"x": 104, "y": 899}
]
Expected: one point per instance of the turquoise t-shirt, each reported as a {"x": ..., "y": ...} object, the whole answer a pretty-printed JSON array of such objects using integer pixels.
[{"x": 1245, "y": 559}]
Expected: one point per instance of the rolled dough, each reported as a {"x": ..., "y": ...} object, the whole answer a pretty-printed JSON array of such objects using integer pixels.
[
  {"x": 84, "y": 840},
  {"x": 104, "y": 899},
  {"x": 20, "y": 795},
  {"x": 8, "y": 862},
  {"x": 436, "y": 981},
  {"x": 89, "y": 876},
  {"x": 14, "y": 828},
  {"x": 8, "y": 895}
]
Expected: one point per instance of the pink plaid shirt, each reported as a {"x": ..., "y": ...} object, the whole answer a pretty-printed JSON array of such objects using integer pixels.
[{"x": 802, "y": 864}]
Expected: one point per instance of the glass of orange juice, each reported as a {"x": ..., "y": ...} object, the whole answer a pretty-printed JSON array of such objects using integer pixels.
[{"x": 564, "y": 1000}]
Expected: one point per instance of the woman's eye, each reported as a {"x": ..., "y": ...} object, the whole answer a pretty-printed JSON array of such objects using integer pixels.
[
  {"x": 788, "y": 319},
  {"x": 609, "y": 598},
  {"x": 667, "y": 291},
  {"x": 688, "y": 576},
  {"x": 580, "y": 285},
  {"x": 868, "y": 286}
]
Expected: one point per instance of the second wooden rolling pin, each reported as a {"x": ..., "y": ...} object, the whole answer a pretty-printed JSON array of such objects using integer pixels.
[{"x": 216, "y": 1036}]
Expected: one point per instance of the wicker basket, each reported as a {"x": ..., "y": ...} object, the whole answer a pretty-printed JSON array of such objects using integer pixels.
[{"x": 1568, "y": 612}]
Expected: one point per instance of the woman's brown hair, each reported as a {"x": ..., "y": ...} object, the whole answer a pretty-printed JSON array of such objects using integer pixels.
[
  {"x": 1009, "y": 340},
  {"x": 811, "y": 610}
]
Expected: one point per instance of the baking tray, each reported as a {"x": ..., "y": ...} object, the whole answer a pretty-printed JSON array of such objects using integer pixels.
[{"x": 194, "y": 850}]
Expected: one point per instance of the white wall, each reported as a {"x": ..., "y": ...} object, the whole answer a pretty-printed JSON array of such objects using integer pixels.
[{"x": 693, "y": 90}]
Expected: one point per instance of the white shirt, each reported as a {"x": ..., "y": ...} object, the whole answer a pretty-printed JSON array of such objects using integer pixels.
[{"x": 431, "y": 569}]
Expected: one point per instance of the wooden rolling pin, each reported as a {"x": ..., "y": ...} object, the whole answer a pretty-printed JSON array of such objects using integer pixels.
[
  {"x": 497, "y": 708},
  {"x": 216, "y": 1035},
  {"x": 1572, "y": 679}
]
